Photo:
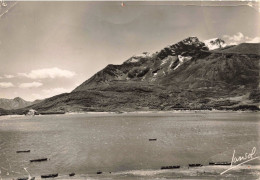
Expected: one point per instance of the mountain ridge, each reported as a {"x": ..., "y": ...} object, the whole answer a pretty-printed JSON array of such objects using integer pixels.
[
  {"x": 15, "y": 103},
  {"x": 185, "y": 75},
  {"x": 137, "y": 67}
]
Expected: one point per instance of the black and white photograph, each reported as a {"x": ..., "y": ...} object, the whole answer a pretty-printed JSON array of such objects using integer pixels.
[{"x": 130, "y": 90}]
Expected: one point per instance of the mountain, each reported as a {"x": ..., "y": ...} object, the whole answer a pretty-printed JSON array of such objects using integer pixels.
[
  {"x": 185, "y": 75},
  {"x": 15, "y": 103},
  {"x": 149, "y": 67},
  {"x": 215, "y": 43}
]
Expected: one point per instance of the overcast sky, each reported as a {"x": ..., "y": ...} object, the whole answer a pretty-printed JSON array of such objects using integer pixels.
[{"x": 47, "y": 48}]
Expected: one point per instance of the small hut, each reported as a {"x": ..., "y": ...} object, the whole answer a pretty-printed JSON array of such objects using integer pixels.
[{"x": 31, "y": 112}]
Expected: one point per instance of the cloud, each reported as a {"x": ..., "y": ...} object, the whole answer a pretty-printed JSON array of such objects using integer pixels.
[
  {"x": 254, "y": 40},
  {"x": 240, "y": 38},
  {"x": 30, "y": 85},
  {"x": 6, "y": 84},
  {"x": 8, "y": 76},
  {"x": 55, "y": 91},
  {"x": 35, "y": 96},
  {"x": 46, "y": 93},
  {"x": 236, "y": 37},
  {"x": 48, "y": 73}
]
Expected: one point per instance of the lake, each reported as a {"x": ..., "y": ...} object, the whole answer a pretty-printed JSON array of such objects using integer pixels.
[{"x": 119, "y": 146}]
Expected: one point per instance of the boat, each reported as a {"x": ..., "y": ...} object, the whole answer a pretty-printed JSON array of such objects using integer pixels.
[
  {"x": 26, "y": 178},
  {"x": 195, "y": 165},
  {"x": 99, "y": 172},
  {"x": 170, "y": 167},
  {"x": 72, "y": 174},
  {"x": 39, "y": 160},
  {"x": 23, "y": 151},
  {"x": 153, "y": 139},
  {"x": 220, "y": 163},
  {"x": 49, "y": 175}
]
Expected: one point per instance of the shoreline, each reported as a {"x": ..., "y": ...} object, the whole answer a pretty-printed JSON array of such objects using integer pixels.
[
  {"x": 203, "y": 172},
  {"x": 131, "y": 113}
]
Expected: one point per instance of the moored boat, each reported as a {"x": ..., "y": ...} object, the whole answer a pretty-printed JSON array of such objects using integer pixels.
[
  {"x": 23, "y": 151},
  {"x": 195, "y": 165},
  {"x": 26, "y": 178},
  {"x": 170, "y": 167},
  {"x": 39, "y": 160},
  {"x": 49, "y": 175},
  {"x": 220, "y": 163},
  {"x": 72, "y": 174}
]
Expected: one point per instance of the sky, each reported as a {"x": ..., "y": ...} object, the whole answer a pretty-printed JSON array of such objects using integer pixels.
[{"x": 48, "y": 48}]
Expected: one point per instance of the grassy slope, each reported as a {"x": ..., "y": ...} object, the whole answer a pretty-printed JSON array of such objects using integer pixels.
[{"x": 244, "y": 48}]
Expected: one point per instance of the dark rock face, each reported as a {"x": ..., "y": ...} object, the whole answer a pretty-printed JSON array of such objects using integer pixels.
[
  {"x": 186, "y": 75},
  {"x": 188, "y": 47}
]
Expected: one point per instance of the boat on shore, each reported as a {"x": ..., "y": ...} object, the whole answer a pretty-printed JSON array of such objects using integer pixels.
[
  {"x": 50, "y": 175},
  {"x": 23, "y": 151},
  {"x": 72, "y": 174},
  {"x": 39, "y": 160},
  {"x": 26, "y": 178},
  {"x": 195, "y": 165},
  {"x": 220, "y": 163},
  {"x": 170, "y": 167}
]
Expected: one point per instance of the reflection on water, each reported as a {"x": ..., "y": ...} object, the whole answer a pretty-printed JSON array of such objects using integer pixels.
[{"x": 87, "y": 143}]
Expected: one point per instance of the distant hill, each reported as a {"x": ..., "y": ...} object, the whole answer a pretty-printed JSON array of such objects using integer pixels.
[
  {"x": 185, "y": 75},
  {"x": 3, "y": 112},
  {"x": 15, "y": 103}
]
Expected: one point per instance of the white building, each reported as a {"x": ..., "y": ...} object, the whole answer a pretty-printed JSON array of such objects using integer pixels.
[{"x": 31, "y": 112}]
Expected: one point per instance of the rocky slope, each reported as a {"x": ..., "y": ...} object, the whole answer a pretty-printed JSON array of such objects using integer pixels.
[
  {"x": 149, "y": 67},
  {"x": 185, "y": 75}
]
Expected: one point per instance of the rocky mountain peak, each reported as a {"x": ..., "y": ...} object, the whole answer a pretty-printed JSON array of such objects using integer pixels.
[
  {"x": 18, "y": 99},
  {"x": 191, "y": 41},
  {"x": 187, "y": 47},
  {"x": 215, "y": 43},
  {"x": 149, "y": 67}
]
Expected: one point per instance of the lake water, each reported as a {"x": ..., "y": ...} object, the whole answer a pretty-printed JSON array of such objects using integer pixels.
[{"x": 119, "y": 143}]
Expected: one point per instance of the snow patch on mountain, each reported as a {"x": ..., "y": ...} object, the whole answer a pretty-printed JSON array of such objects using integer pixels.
[
  {"x": 133, "y": 60},
  {"x": 182, "y": 59},
  {"x": 136, "y": 58},
  {"x": 166, "y": 60},
  {"x": 163, "y": 62},
  {"x": 215, "y": 43},
  {"x": 190, "y": 40}
]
